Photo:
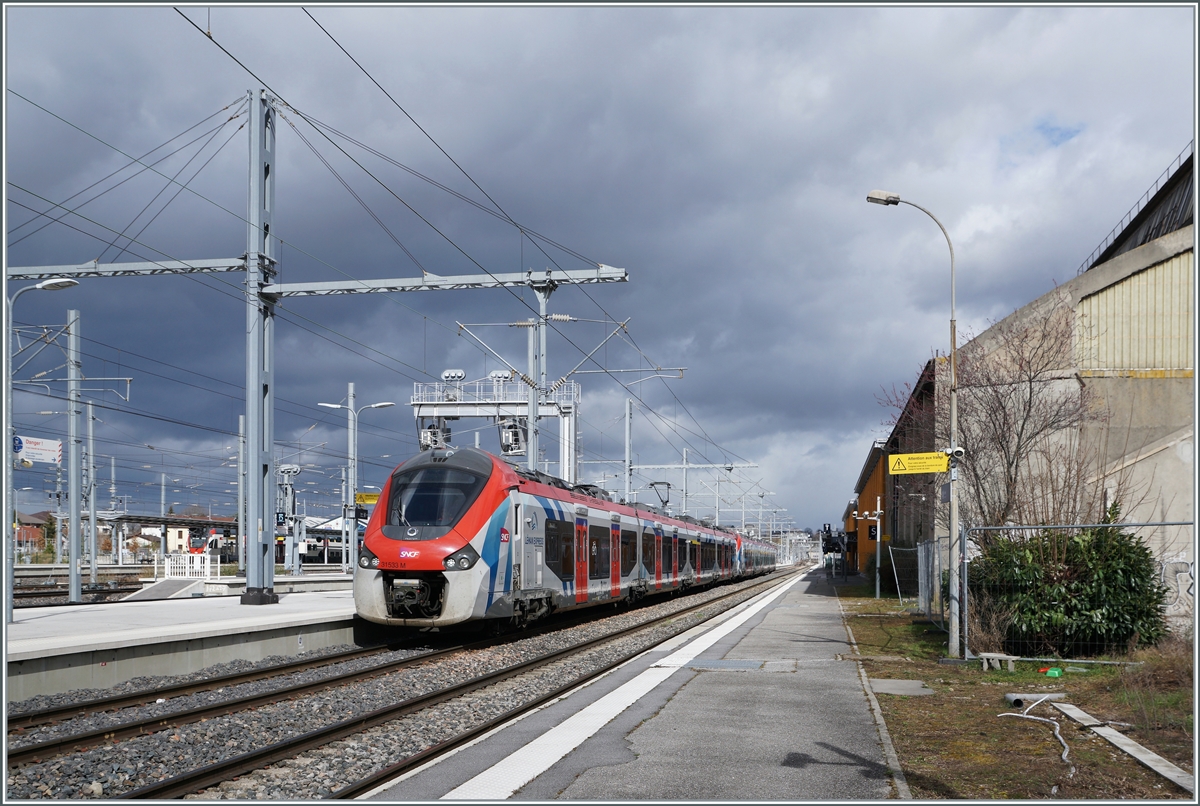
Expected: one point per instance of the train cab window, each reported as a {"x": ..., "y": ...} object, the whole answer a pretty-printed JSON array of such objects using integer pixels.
[
  {"x": 628, "y": 551},
  {"x": 648, "y": 551},
  {"x": 427, "y": 502},
  {"x": 599, "y": 538}
]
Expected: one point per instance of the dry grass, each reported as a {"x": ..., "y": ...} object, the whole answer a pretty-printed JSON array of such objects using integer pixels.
[{"x": 952, "y": 744}]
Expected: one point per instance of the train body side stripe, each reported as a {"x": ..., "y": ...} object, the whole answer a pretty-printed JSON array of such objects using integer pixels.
[{"x": 492, "y": 546}]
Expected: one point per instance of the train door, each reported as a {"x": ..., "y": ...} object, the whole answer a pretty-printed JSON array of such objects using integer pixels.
[
  {"x": 658, "y": 566},
  {"x": 615, "y": 556},
  {"x": 533, "y": 546},
  {"x": 675, "y": 556},
  {"x": 581, "y": 555},
  {"x": 599, "y": 562},
  {"x": 646, "y": 566}
]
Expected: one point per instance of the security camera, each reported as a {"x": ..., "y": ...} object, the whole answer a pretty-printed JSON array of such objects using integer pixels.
[{"x": 957, "y": 453}]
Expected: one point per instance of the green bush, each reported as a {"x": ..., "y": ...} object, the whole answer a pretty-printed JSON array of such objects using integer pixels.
[{"x": 1086, "y": 592}]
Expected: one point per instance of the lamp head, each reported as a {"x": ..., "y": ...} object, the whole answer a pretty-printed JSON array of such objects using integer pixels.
[
  {"x": 380, "y": 405},
  {"x": 57, "y": 284},
  {"x": 331, "y": 405},
  {"x": 883, "y": 197}
]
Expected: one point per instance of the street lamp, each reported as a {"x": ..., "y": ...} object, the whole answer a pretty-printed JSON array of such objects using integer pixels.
[
  {"x": 886, "y": 198},
  {"x": 348, "y": 562},
  {"x": 51, "y": 284}
]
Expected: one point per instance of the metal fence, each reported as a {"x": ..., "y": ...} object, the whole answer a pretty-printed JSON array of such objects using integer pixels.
[
  {"x": 1032, "y": 591},
  {"x": 191, "y": 566},
  {"x": 924, "y": 581}
]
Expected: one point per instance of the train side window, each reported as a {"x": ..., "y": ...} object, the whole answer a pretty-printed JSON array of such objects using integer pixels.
[
  {"x": 560, "y": 547},
  {"x": 567, "y": 552},
  {"x": 666, "y": 554},
  {"x": 598, "y": 540},
  {"x": 628, "y": 551},
  {"x": 648, "y": 551}
]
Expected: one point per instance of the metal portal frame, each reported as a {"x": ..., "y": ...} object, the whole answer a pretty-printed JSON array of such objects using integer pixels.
[
  {"x": 502, "y": 400},
  {"x": 259, "y": 264}
]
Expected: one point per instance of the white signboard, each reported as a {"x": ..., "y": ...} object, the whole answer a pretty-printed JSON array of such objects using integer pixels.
[{"x": 32, "y": 449}]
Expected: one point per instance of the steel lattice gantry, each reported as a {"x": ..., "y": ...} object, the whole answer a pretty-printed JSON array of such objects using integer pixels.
[{"x": 259, "y": 264}]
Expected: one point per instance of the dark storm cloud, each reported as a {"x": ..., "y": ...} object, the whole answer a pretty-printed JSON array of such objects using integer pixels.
[{"x": 722, "y": 155}]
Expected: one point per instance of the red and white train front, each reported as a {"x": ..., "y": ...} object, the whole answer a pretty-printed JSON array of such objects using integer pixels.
[{"x": 459, "y": 535}]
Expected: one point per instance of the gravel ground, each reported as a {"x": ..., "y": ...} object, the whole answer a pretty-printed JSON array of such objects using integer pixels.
[{"x": 108, "y": 771}]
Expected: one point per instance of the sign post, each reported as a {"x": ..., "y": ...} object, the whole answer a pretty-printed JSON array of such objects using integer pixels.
[{"x": 907, "y": 463}]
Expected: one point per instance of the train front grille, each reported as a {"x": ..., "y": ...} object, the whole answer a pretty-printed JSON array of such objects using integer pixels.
[{"x": 414, "y": 595}]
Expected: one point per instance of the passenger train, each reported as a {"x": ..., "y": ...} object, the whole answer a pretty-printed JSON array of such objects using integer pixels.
[{"x": 460, "y": 535}]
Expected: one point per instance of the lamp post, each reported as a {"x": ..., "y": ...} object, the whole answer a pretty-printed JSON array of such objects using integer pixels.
[
  {"x": 348, "y": 562},
  {"x": 52, "y": 284},
  {"x": 884, "y": 197}
]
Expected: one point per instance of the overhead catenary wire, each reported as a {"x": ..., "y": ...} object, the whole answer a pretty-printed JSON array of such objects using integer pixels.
[
  {"x": 568, "y": 340},
  {"x": 501, "y": 210},
  {"x": 134, "y": 161}
]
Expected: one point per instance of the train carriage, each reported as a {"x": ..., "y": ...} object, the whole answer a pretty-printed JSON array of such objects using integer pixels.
[{"x": 460, "y": 535}]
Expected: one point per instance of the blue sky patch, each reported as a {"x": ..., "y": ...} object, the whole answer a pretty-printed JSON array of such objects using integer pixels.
[{"x": 1056, "y": 135}]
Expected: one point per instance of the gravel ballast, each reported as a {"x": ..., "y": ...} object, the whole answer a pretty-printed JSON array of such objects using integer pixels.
[{"x": 110, "y": 770}]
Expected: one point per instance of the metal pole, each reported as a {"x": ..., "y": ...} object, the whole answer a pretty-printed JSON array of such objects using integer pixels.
[
  {"x": 10, "y": 432},
  {"x": 878, "y": 540},
  {"x": 241, "y": 495},
  {"x": 955, "y": 543},
  {"x": 531, "y": 418},
  {"x": 685, "y": 489},
  {"x": 74, "y": 471},
  {"x": 112, "y": 492},
  {"x": 628, "y": 449},
  {"x": 345, "y": 553},
  {"x": 58, "y": 535},
  {"x": 91, "y": 496},
  {"x": 352, "y": 447},
  {"x": 260, "y": 560}
]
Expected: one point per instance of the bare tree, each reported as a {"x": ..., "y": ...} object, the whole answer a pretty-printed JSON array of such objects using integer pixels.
[{"x": 1032, "y": 430}]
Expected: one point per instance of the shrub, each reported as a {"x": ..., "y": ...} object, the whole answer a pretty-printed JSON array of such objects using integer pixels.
[{"x": 1067, "y": 594}]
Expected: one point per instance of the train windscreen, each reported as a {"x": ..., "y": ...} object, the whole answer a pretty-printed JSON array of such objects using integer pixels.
[{"x": 427, "y": 502}]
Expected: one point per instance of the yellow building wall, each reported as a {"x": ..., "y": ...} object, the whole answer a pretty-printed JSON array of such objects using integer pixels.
[{"x": 873, "y": 488}]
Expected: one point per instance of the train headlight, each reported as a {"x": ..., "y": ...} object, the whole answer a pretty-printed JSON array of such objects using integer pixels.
[
  {"x": 367, "y": 558},
  {"x": 462, "y": 559}
]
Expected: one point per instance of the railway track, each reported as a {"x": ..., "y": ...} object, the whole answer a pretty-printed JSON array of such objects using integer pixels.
[{"x": 240, "y": 764}]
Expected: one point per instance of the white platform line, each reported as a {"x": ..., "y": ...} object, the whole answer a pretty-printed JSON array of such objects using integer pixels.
[{"x": 501, "y": 780}]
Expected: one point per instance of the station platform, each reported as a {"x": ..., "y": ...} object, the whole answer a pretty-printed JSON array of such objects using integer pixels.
[
  {"x": 54, "y": 649},
  {"x": 763, "y": 703}
]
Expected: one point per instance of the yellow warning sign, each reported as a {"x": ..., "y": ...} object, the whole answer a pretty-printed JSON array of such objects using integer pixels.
[
  {"x": 902, "y": 463},
  {"x": 366, "y": 498}
]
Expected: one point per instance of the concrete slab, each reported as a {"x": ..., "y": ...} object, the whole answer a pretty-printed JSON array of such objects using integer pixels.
[
  {"x": 48, "y": 650},
  {"x": 903, "y": 688}
]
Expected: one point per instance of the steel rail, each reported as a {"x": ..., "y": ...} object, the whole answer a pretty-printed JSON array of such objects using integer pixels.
[
  {"x": 210, "y": 775},
  {"x": 62, "y": 713},
  {"x": 41, "y": 751},
  {"x": 19, "y": 723}
]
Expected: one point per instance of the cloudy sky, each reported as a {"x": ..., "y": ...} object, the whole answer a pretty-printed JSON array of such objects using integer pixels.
[{"x": 721, "y": 155}]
